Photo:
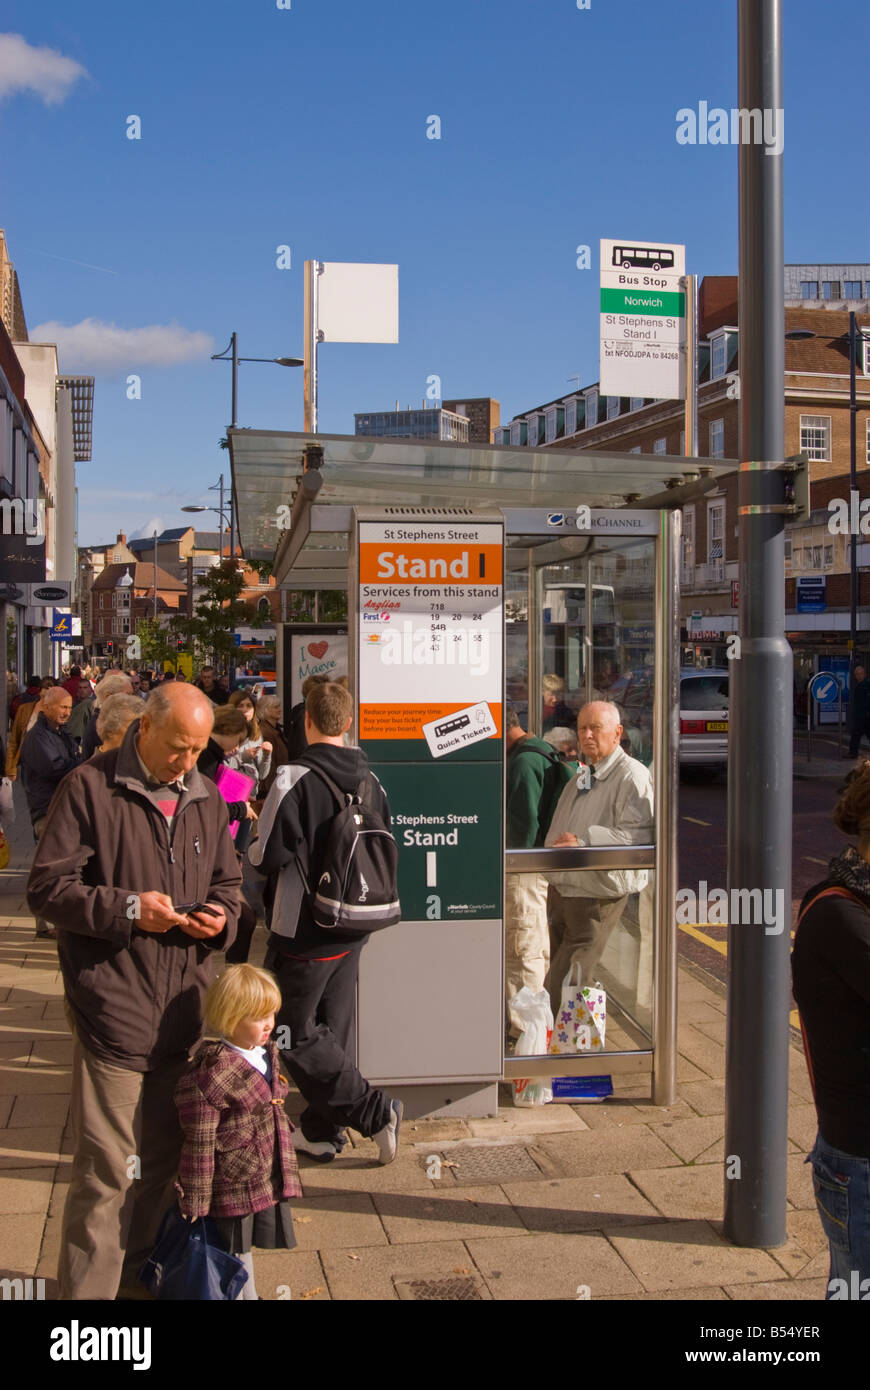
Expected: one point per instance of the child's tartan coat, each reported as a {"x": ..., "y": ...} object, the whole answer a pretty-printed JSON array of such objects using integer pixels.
[{"x": 232, "y": 1119}]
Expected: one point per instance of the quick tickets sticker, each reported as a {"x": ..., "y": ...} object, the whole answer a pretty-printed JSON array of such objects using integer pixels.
[{"x": 460, "y": 728}]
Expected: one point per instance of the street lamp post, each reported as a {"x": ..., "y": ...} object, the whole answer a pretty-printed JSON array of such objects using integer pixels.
[{"x": 232, "y": 349}]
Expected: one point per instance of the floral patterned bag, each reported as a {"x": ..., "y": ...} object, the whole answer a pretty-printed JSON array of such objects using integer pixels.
[{"x": 580, "y": 1023}]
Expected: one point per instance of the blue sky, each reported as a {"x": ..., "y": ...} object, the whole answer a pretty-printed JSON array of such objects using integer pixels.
[{"x": 307, "y": 127}]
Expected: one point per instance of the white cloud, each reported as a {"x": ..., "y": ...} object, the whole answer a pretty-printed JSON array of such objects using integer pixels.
[
  {"x": 95, "y": 346},
  {"x": 155, "y": 524},
  {"x": 24, "y": 68}
]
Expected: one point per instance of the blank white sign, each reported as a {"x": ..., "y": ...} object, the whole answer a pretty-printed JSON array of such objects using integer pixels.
[{"x": 358, "y": 303}]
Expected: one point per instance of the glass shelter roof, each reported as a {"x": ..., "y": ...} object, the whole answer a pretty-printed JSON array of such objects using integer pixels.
[{"x": 294, "y": 492}]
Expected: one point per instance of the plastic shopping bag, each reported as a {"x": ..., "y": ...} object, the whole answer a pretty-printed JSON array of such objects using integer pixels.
[
  {"x": 7, "y": 806},
  {"x": 580, "y": 1023},
  {"x": 532, "y": 1007},
  {"x": 188, "y": 1263}
]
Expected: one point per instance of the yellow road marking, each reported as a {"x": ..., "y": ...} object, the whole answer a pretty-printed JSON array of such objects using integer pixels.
[
  {"x": 720, "y": 946},
  {"x": 695, "y": 820},
  {"x": 794, "y": 1020},
  {"x": 811, "y": 859}
]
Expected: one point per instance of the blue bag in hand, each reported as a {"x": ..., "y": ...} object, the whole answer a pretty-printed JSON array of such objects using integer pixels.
[{"x": 188, "y": 1263}]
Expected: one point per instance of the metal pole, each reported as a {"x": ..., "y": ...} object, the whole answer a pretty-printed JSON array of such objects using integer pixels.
[
  {"x": 666, "y": 745},
  {"x": 233, "y": 426},
  {"x": 234, "y": 341},
  {"x": 853, "y": 484},
  {"x": 691, "y": 414},
  {"x": 310, "y": 334},
  {"x": 760, "y": 752},
  {"x": 155, "y": 576},
  {"x": 221, "y": 515}
]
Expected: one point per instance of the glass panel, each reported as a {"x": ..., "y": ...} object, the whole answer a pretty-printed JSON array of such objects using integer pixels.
[{"x": 597, "y": 642}]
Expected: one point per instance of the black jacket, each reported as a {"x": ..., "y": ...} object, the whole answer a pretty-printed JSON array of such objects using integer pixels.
[
  {"x": 859, "y": 706},
  {"x": 47, "y": 755},
  {"x": 296, "y": 818},
  {"x": 831, "y": 976},
  {"x": 208, "y": 762},
  {"x": 90, "y": 737}
]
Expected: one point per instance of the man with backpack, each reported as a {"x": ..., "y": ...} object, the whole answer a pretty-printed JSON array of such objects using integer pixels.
[
  {"x": 319, "y": 872},
  {"x": 536, "y": 777}
]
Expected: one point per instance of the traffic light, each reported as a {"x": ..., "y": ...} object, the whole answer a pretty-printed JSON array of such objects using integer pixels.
[
  {"x": 109, "y": 646},
  {"x": 179, "y": 643}
]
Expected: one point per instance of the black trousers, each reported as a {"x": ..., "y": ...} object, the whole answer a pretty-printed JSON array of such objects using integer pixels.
[{"x": 318, "y": 1004}]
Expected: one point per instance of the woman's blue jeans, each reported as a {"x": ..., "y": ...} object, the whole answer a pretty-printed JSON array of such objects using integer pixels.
[{"x": 841, "y": 1183}]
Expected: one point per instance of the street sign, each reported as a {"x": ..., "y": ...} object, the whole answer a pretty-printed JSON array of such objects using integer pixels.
[
  {"x": 825, "y": 688},
  {"x": 61, "y": 626},
  {"x": 430, "y": 623},
  {"x": 49, "y": 593},
  {"x": 810, "y": 594},
  {"x": 643, "y": 320}
]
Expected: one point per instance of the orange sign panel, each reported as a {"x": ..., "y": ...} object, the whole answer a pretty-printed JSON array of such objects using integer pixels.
[{"x": 391, "y": 562}]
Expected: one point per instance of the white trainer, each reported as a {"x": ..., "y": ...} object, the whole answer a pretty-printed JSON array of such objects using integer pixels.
[{"x": 387, "y": 1139}]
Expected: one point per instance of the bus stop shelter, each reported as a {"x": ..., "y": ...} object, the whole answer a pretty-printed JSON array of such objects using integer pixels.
[{"x": 563, "y": 567}]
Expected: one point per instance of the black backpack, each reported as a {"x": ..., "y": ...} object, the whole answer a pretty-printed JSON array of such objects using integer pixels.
[{"x": 357, "y": 889}]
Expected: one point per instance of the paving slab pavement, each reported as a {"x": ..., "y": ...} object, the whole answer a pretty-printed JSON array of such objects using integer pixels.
[{"x": 623, "y": 1199}]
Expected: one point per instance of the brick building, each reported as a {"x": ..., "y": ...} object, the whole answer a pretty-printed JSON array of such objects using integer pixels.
[
  {"x": 122, "y": 595},
  {"x": 817, "y": 413}
]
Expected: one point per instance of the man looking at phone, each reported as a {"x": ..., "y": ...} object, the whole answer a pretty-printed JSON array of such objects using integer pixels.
[{"x": 131, "y": 836}]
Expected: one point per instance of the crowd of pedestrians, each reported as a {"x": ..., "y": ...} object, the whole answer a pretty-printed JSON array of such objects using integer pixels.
[
  {"x": 143, "y": 793},
  {"x": 140, "y": 874}
]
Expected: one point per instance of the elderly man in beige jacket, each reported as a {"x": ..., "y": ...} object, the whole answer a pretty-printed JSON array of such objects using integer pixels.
[{"x": 610, "y": 802}]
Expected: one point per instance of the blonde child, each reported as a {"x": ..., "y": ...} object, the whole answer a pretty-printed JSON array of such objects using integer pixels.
[{"x": 237, "y": 1163}]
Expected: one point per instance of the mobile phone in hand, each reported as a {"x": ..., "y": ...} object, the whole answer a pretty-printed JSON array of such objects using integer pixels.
[{"x": 184, "y": 908}]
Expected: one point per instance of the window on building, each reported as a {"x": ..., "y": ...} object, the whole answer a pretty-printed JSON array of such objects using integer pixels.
[
  {"x": 688, "y": 542},
  {"x": 817, "y": 557},
  {"x": 851, "y": 289},
  {"x": 866, "y": 344},
  {"x": 716, "y": 530},
  {"x": 635, "y": 403},
  {"x": 829, "y": 556},
  {"x": 718, "y": 356},
  {"x": 717, "y": 439},
  {"x": 809, "y": 289},
  {"x": 787, "y": 548},
  {"x": 816, "y": 436},
  {"x": 660, "y": 446},
  {"x": 519, "y": 432},
  {"x": 533, "y": 430},
  {"x": 550, "y": 429},
  {"x": 591, "y": 409},
  {"x": 612, "y": 407},
  {"x": 637, "y": 449},
  {"x": 831, "y": 289},
  {"x": 571, "y": 417}
]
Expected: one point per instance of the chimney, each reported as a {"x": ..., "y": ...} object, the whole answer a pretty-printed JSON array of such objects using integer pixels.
[{"x": 122, "y": 539}]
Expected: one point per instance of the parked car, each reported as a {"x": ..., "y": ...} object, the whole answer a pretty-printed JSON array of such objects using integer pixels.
[{"x": 704, "y": 717}]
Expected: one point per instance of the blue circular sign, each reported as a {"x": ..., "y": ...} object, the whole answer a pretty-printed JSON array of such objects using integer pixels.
[{"x": 825, "y": 688}]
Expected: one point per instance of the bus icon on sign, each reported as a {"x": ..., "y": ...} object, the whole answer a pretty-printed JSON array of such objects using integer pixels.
[
  {"x": 460, "y": 722},
  {"x": 643, "y": 258}
]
